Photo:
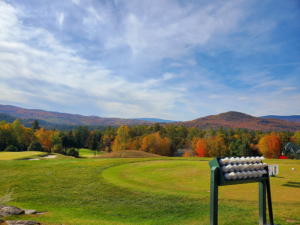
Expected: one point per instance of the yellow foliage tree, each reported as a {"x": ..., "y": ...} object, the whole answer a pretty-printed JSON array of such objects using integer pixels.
[
  {"x": 263, "y": 145},
  {"x": 122, "y": 140},
  {"x": 296, "y": 138},
  {"x": 153, "y": 143},
  {"x": 44, "y": 137}
]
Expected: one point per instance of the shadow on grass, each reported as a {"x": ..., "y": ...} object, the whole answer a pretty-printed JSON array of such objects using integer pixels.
[{"x": 292, "y": 184}]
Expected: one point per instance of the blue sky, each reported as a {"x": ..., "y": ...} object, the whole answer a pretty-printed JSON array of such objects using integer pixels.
[{"x": 177, "y": 60}]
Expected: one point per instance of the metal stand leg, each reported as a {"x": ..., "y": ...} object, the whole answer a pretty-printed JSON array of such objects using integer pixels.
[
  {"x": 262, "y": 202},
  {"x": 214, "y": 196},
  {"x": 269, "y": 202}
]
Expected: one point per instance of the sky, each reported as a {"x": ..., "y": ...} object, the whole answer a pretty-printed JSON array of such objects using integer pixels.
[{"x": 169, "y": 59}]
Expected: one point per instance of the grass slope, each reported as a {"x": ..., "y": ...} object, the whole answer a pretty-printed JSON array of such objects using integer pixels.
[
  {"x": 74, "y": 192},
  {"x": 19, "y": 155},
  {"x": 87, "y": 153},
  {"x": 129, "y": 154}
]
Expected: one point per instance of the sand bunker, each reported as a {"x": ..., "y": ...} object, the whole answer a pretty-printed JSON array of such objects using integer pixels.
[{"x": 49, "y": 157}]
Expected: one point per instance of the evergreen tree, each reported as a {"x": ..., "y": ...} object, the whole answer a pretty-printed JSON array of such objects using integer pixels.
[
  {"x": 246, "y": 149},
  {"x": 35, "y": 125}
]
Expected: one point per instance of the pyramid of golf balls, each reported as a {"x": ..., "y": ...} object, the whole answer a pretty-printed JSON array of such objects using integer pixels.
[{"x": 243, "y": 167}]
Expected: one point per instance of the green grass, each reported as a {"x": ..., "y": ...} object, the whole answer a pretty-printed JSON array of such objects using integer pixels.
[
  {"x": 87, "y": 153},
  {"x": 19, "y": 155},
  {"x": 74, "y": 191}
]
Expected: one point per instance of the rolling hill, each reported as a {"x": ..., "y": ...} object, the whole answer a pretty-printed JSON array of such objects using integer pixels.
[
  {"x": 241, "y": 120},
  {"x": 66, "y": 118},
  {"x": 226, "y": 120},
  {"x": 294, "y": 118}
]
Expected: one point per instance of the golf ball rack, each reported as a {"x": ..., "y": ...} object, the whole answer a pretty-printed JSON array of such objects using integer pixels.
[
  {"x": 235, "y": 168},
  {"x": 240, "y": 170}
]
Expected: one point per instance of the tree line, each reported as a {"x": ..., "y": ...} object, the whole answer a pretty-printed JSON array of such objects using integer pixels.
[{"x": 157, "y": 139}]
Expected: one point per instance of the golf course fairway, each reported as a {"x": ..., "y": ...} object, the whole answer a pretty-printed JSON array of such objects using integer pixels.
[{"x": 192, "y": 178}]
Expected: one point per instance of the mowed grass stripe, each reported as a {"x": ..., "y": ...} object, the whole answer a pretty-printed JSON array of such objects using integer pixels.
[{"x": 192, "y": 178}]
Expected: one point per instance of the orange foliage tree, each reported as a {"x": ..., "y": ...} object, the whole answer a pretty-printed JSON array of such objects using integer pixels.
[
  {"x": 270, "y": 145},
  {"x": 153, "y": 143},
  {"x": 202, "y": 148},
  {"x": 44, "y": 137}
]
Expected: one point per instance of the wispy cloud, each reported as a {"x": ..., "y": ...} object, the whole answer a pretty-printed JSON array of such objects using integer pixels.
[{"x": 149, "y": 58}]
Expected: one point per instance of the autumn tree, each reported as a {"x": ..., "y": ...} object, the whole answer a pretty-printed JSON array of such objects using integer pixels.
[
  {"x": 136, "y": 143},
  {"x": 44, "y": 137},
  {"x": 218, "y": 147},
  {"x": 153, "y": 143},
  {"x": 270, "y": 145},
  {"x": 202, "y": 148},
  {"x": 122, "y": 139},
  {"x": 296, "y": 138},
  {"x": 275, "y": 146}
]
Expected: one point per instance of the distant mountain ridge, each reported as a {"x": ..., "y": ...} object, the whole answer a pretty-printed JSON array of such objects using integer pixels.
[
  {"x": 293, "y": 118},
  {"x": 241, "y": 120},
  {"x": 66, "y": 118},
  {"x": 157, "y": 120},
  {"x": 226, "y": 120}
]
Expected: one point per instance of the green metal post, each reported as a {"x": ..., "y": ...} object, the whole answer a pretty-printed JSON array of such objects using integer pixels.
[
  {"x": 269, "y": 202},
  {"x": 214, "y": 195},
  {"x": 262, "y": 203}
]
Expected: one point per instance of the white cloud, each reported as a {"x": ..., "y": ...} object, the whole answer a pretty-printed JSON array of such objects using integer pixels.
[
  {"x": 215, "y": 96},
  {"x": 289, "y": 88},
  {"x": 77, "y": 2},
  {"x": 138, "y": 58},
  {"x": 65, "y": 77},
  {"x": 168, "y": 76},
  {"x": 60, "y": 19}
]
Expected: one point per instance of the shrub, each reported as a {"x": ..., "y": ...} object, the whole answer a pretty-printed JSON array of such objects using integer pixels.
[
  {"x": 297, "y": 156},
  {"x": 73, "y": 152},
  {"x": 36, "y": 146},
  {"x": 57, "y": 149},
  {"x": 290, "y": 156},
  {"x": 11, "y": 148}
]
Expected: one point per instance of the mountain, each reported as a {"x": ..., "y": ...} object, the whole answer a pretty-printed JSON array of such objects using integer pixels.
[
  {"x": 66, "y": 121},
  {"x": 66, "y": 118},
  {"x": 47, "y": 125},
  {"x": 156, "y": 120},
  {"x": 241, "y": 120},
  {"x": 294, "y": 118}
]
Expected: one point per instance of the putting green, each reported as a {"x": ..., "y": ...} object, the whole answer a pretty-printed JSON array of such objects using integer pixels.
[
  {"x": 18, "y": 155},
  {"x": 192, "y": 178}
]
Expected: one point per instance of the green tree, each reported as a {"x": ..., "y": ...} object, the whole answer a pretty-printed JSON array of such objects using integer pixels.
[
  {"x": 246, "y": 149},
  {"x": 35, "y": 125},
  {"x": 35, "y": 146},
  {"x": 56, "y": 139},
  {"x": 93, "y": 143},
  {"x": 57, "y": 149},
  {"x": 81, "y": 135},
  {"x": 11, "y": 148},
  {"x": 73, "y": 152}
]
